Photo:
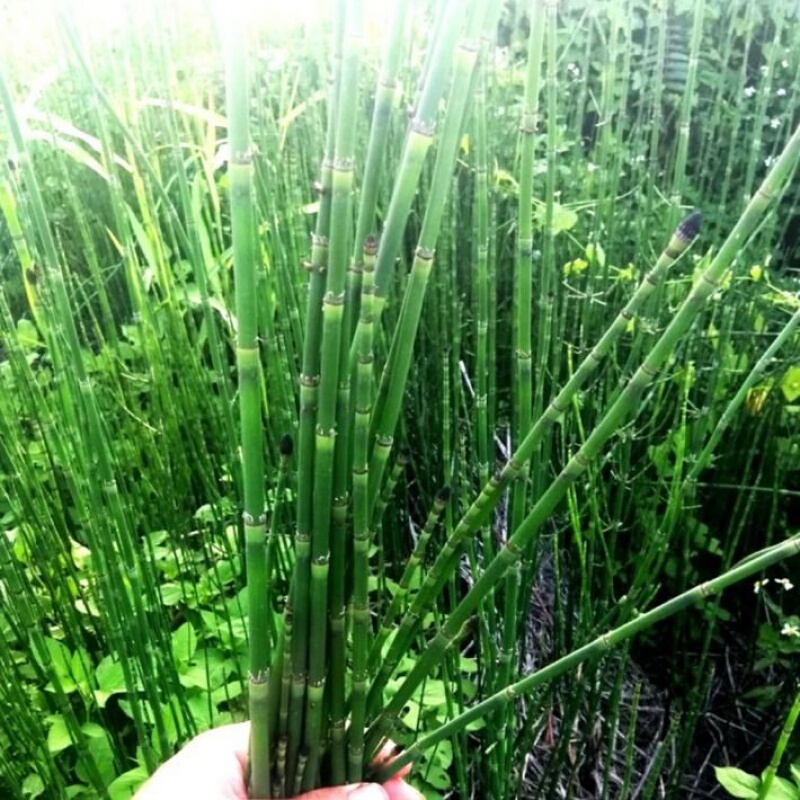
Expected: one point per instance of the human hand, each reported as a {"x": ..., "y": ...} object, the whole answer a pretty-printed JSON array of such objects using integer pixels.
[{"x": 213, "y": 767}]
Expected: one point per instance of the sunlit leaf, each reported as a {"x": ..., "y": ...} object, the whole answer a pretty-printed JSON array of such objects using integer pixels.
[
  {"x": 737, "y": 782},
  {"x": 790, "y": 385}
]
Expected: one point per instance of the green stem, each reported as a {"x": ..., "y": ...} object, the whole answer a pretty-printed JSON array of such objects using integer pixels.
[
  {"x": 249, "y": 367},
  {"x": 602, "y": 644},
  {"x": 628, "y": 402},
  {"x": 482, "y": 506},
  {"x": 780, "y": 747}
]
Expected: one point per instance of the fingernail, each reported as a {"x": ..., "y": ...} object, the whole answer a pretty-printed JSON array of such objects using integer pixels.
[{"x": 367, "y": 791}]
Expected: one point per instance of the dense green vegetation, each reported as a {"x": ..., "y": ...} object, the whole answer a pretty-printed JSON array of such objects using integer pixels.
[{"x": 394, "y": 375}]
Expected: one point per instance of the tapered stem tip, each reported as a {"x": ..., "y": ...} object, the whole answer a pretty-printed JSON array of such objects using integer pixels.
[
  {"x": 371, "y": 245},
  {"x": 286, "y": 446},
  {"x": 690, "y": 226}
]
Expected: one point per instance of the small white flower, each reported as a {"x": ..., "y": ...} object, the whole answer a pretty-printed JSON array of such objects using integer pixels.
[
  {"x": 769, "y": 161},
  {"x": 789, "y": 629},
  {"x": 785, "y": 63},
  {"x": 774, "y": 123},
  {"x": 750, "y": 91},
  {"x": 764, "y": 69},
  {"x": 758, "y": 585},
  {"x": 591, "y": 167},
  {"x": 781, "y": 92},
  {"x": 785, "y": 583}
]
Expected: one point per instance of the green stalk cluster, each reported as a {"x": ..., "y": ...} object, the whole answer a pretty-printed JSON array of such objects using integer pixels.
[
  {"x": 626, "y": 403},
  {"x": 593, "y": 649}
]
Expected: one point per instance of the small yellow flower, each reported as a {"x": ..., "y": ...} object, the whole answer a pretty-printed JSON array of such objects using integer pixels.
[{"x": 756, "y": 397}]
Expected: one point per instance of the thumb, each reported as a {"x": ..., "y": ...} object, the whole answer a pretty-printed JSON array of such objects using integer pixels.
[{"x": 355, "y": 791}]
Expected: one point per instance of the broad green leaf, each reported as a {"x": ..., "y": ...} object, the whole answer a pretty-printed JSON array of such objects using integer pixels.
[
  {"x": 207, "y": 670},
  {"x": 211, "y": 622},
  {"x": 443, "y": 755},
  {"x": 93, "y": 730},
  {"x": 206, "y": 514},
  {"x": 790, "y": 385},
  {"x": 184, "y": 643},
  {"x": 468, "y": 665},
  {"x": 227, "y": 692},
  {"x": 476, "y": 725},
  {"x": 237, "y": 605},
  {"x": 411, "y": 718},
  {"x": 201, "y": 711},
  {"x": 171, "y": 594},
  {"x": 737, "y": 782},
  {"x": 171, "y": 713},
  {"x": 32, "y": 786},
  {"x": 27, "y": 335},
  {"x": 110, "y": 680},
  {"x": 58, "y": 737},
  {"x": 428, "y": 792},
  {"x": 437, "y": 777},
  {"x": 468, "y": 689},
  {"x": 124, "y": 786},
  {"x": 434, "y": 693},
  {"x": 60, "y": 657},
  {"x": 564, "y": 219},
  {"x": 80, "y": 665},
  {"x": 147, "y": 712},
  {"x": 194, "y": 676},
  {"x": 781, "y": 789},
  {"x": 103, "y": 757}
]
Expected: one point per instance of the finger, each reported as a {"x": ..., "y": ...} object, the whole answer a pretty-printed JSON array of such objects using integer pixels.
[
  {"x": 386, "y": 753},
  {"x": 355, "y": 791},
  {"x": 403, "y": 771},
  {"x": 400, "y": 790},
  {"x": 234, "y": 738}
]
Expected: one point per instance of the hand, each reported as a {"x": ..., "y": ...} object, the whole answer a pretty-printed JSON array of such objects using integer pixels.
[{"x": 212, "y": 767}]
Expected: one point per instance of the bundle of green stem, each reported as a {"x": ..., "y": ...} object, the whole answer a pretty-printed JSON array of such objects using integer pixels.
[{"x": 318, "y": 676}]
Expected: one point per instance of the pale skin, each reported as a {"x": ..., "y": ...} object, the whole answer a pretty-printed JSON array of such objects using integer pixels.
[{"x": 212, "y": 767}]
